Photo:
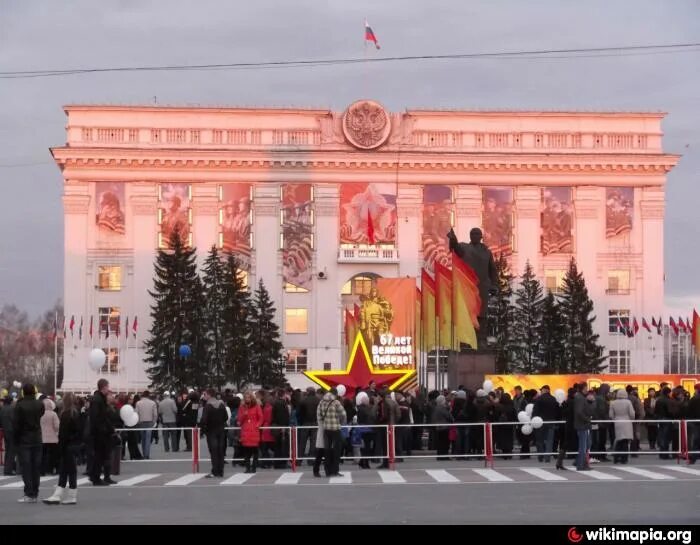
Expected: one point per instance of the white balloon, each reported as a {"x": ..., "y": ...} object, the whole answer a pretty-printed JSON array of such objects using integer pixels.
[
  {"x": 97, "y": 359},
  {"x": 537, "y": 422},
  {"x": 341, "y": 390},
  {"x": 17, "y": 384},
  {"x": 488, "y": 386},
  {"x": 526, "y": 429},
  {"x": 132, "y": 420},
  {"x": 125, "y": 412},
  {"x": 528, "y": 409},
  {"x": 523, "y": 417},
  {"x": 560, "y": 395}
]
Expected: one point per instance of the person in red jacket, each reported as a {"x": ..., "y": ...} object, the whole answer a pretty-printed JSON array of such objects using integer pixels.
[
  {"x": 268, "y": 441},
  {"x": 250, "y": 418}
]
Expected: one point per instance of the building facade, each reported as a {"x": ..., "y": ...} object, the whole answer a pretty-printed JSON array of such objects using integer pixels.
[{"x": 319, "y": 203}]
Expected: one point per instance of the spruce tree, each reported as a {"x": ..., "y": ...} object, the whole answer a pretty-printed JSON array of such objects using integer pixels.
[
  {"x": 177, "y": 319},
  {"x": 551, "y": 337},
  {"x": 265, "y": 346},
  {"x": 217, "y": 298},
  {"x": 527, "y": 322},
  {"x": 236, "y": 325},
  {"x": 502, "y": 309},
  {"x": 582, "y": 353}
]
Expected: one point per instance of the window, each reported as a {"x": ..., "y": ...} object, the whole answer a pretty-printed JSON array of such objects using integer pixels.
[
  {"x": 109, "y": 277},
  {"x": 112, "y": 362},
  {"x": 291, "y": 288},
  {"x": 109, "y": 320},
  {"x": 613, "y": 315},
  {"x": 619, "y": 362},
  {"x": 296, "y": 360},
  {"x": 431, "y": 361},
  {"x": 554, "y": 280},
  {"x": 360, "y": 285},
  {"x": 618, "y": 282},
  {"x": 243, "y": 277},
  {"x": 296, "y": 320}
]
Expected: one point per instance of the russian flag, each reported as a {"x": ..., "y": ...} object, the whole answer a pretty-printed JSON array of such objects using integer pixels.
[{"x": 369, "y": 35}]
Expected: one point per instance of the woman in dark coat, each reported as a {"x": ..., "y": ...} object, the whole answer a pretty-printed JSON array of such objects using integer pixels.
[
  {"x": 568, "y": 440},
  {"x": 69, "y": 441},
  {"x": 366, "y": 417},
  {"x": 441, "y": 415},
  {"x": 504, "y": 412}
]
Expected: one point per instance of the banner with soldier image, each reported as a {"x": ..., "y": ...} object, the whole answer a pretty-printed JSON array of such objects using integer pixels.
[
  {"x": 557, "y": 220},
  {"x": 619, "y": 207},
  {"x": 497, "y": 220},
  {"x": 173, "y": 211},
  {"x": 236, "y": 219},
  {"x": 388, "y": 322},
  {"x": 438, "y": 213},
  {"x": 109, "y": 215},
  {"x": 297, "y": 244}
]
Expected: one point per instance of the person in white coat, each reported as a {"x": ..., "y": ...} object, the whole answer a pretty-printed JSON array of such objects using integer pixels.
[{"x": 622, "y": 413}]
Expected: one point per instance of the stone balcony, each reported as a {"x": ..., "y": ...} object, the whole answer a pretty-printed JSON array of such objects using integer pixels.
[{"x": 368, "y": 254}]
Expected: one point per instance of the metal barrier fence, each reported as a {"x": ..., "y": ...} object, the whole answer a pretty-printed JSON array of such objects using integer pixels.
[{"x": 387, "y": 436}]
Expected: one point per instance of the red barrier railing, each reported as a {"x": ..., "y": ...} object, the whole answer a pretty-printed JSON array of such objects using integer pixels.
[
  {"x": 684, "y": 442},
  {"x": 195, "y": 450},
  {"x": 293, "y": 448},
  {"x": 488, "y": 445},
  {"x": 392, "y": 447}
]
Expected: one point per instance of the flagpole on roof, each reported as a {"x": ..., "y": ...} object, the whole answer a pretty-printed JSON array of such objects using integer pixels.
[{"x": 55, "y": 356}]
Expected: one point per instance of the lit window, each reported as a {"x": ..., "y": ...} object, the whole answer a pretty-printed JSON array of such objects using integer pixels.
[
  {"x": 109, "y": 321},
  {"x": 109, "y": 277},
  {"x": 360, "y": 285},
  {"x": 291, "y": 288},
  {"x": 554, "y": 280},
  {"x": 296, "y": 320},
  {"x": 243, "y": 277},
  {"x": 623, "y": 315},
  {"x": 618, "y": 282},
  {"x": 112, "y": 362},
  {"x": 619, "y": 362},
  {"x": 296, "y": 360}
]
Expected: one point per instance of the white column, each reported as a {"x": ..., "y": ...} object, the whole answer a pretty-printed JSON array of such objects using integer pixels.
[
  {"x": 527, "y": 229},
  {"x": 652, "y": 284},
  {"x": 468, "y": 207},
  {"x": 410, "y": 218},
  {"x": 205, "y": 220}
]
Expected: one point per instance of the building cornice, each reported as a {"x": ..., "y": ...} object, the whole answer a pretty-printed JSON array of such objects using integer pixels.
[{"x": 207, "y": 160}]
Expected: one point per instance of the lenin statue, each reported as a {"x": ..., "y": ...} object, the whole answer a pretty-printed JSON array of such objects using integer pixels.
[{"x": 478, "y": 257}]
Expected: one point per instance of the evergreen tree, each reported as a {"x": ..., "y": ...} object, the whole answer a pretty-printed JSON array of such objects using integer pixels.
[
  {"x": 236, "y": 325},
  {"x": 527, "y": 322},
  {"x": 177, "y": 319},
  {"x": 265, "y": 346},
  {"x": 551, "y": 337},
  {"x": 502, "y": 309},
  {"x": 582, "y": 353},
  {"x": 216, "y": 293}
]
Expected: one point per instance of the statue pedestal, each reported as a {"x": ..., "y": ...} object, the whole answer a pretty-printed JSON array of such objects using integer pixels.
[{"x": 469, "y": 368}]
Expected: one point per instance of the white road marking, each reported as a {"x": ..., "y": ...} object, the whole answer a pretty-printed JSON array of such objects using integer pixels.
[
  {"x": 442, "y": 476},
  {"x": 391, "y": 477},
  {"x": 345, "y": 479},
  {"x": 238, "y": 478},
  {"x": 492, "y": 475},
  {"x": 138, "y": 479},
  {"x": 186, "y": 479},
  {"x": 543, "y": 474},
  {"x": 645, "y": 473},
  {"x": 290, "y": 478}
]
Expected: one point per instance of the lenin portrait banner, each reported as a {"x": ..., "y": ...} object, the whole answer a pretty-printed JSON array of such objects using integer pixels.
[
  {"x": 109, "y": 215},
  {"x": 367, "y": 210},
  {"x": 236, "y": 218},
  {"x": 388, "y": 322},
  {"x": 557, "y": 221},
  {"x": 173, "y": 211},
  {"x": 297, "y": 243},
  {"x": 438, "y": 214},
  {"x": 497, "y": 220},
  {"x": 619, "y": 206}
]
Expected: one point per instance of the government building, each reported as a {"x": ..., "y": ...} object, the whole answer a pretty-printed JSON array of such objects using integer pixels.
[{"x": 319, "y": 204}]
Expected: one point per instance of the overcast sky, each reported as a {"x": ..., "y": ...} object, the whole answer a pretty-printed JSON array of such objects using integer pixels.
[{"x": 53, "y": 34}]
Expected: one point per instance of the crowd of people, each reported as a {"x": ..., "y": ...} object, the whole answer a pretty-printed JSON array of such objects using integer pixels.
[{"x": 45, "y": 436}]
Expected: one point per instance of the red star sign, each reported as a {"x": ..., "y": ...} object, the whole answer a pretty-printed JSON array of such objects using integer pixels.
[{"x": 359, "y": 372}]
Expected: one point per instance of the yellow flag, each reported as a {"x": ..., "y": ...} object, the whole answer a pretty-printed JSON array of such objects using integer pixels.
[
  {"x": 428, "y": 310},
  {"x": 443, "y": 284},
  {"x": 463, "y": 305}
]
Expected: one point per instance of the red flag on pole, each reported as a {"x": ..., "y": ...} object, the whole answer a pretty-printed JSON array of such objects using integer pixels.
[
  {"x": 370, "y": 227},
  {"x": 645, "y": 325},
  {"x": 72, "y": 325},
  {"x": 672, "y": 325},
  {"x": 55, "y": 326},
  {"x": 635, "y": 326},
  {"x": 119, "y": 323},
  {"x": 136, "y": 325},
  {"x": 681, "y": 325},
  {"x": 369, "y": 35},
  {"x": 659, "y": 326},
  {"x": 91, "y": 317}
]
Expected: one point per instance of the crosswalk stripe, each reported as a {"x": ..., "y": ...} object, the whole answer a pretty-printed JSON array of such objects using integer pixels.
[
  {"x": 345, "y": 479},
  {"x": 492, "y": 475},
  {"x": 5, "y": 477},
  {"x": 543, "y": 474},
  {"x": 186, "y": 479},
  {"x": 442, "y": 476},
  {"x": 289, "y": 478},
  {"x": 20, "y": 484},
  {"x": 600, "y": 475},
  {"x": 645, "y": 473},
  {"x": 681, "y": 469},
  {"x": 83, "y": 481},
  {"x": 138, "y": 479},
  {"x": 238, "y": 478},
  {"x": 391, "y": 477}
]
